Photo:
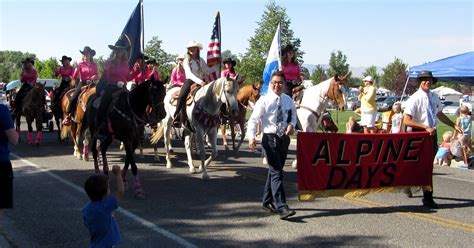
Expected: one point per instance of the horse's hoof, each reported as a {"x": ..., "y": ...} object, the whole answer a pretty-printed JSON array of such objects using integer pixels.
[
  {"x": 125, "y": 185},
  {"x": 37, "y": 143},
  {"x": 121, "y": 146},
  {"x": 86, "y": 157},
  {"x": 192, "y": 170},
  {"x": 264, "y": 161},
  {"x": 171, "y": 150},
  {"x": 226, "y": 147},
  {"x": 205, "y": 177},
  {"x": 79, "y": 156},
  {"x": 169, "y": 165},
  {"x": 293, "y": 164},
  {"x": 139, "y": 196}
]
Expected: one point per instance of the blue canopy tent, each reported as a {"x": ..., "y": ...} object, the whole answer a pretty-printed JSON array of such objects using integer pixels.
[{"x": 455, "y": 69}]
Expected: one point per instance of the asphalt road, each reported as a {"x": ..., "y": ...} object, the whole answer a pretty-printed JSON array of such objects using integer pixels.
[{"x": 181, "y": 210}]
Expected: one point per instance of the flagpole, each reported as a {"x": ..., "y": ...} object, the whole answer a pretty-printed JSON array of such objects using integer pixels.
[
  {"x": 220, "y": 44},
  {"x": 279, "y": 45},
  {"x": 143, "y": 40}
]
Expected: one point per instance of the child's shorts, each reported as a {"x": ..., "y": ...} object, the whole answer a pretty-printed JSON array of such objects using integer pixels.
[
  {"x": 6, "y": 185},
  {"x": 442, "y": 152}
]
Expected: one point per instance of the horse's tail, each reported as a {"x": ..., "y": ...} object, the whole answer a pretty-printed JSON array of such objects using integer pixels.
[
  {"x": 65, "y": 131},
  {"x": 158, "y": 134}
]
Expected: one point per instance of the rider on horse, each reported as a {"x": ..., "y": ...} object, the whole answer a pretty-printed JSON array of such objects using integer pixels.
[
  {"x": 178, "y": 76},
  {"x": 197, "y": 72},
  {"x": 28, "y": 79},
  {"x": 65, "y": 72},
  {"x": 116, "y": 72},
  {"x": 84, "y": 75},
  {"x": 291, "y": 69}
]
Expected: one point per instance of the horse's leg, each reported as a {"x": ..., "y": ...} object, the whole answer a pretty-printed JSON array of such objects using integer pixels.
[
  {"x": 85, "y": 145},
  {"x": 232, "y": 132},
  {"x": 187, "y": 145},
  {"x": 242, "y": 136},
  {"x": 77, "y": 135},
  {"x": 167, "y": 136},
  {"x": 104, "y": 144},
  {"x": 29, "y": 122},
  {"x": 94, "y": 154},
  {"x": 39, "y": 130},
  {"x": 200, "y": 138},
  {"x": 129, "y": 159},
  {"x": 141, "y": 139},
  {"x": 18, "y": 124},
  {"x": 224, "y": 138},
  {"x": 212, "y": 134}
]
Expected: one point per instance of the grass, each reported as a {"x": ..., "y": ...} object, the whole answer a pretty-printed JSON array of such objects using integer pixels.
[{"x": 340, "y": 119}]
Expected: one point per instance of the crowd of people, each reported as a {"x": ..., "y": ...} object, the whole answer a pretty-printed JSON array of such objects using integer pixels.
[{"x": 276, "y": 112}]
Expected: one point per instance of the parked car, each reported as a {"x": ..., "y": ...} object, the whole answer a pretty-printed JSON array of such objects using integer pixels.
[
  {"x": 353, "y": 103},
  {"x": 452, "y": 108},
  {"x": 387, "y": 104}
]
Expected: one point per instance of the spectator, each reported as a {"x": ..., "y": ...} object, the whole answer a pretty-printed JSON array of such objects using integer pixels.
[
  {"x": 368, "y": 108},
  {"x": 397, "y": 118},
  {"x": 444, "y": 148},
  {"x": 7, "y": 135}
]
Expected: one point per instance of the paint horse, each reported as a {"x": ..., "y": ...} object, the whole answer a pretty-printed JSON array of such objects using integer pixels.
[
  {"x": 315, "y": 100},
  {"x": 33, "y": 108},
  {"x": 126, "y": 114},
  {"x": 203, "y": 114},
  {"x": 78, "y": 128},
  {"x": 246, "y": 96}
]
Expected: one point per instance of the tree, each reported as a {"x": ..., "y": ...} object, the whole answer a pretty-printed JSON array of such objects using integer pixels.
[
  {"x": 305, "y": 72},
  {"x": 10, "y": 64},
  {"x": 394, "y": 78},
  {"x": 46, "y": 69},
  {"x": 319, "y": 74},
  {"x": 253, "y": 61},
  {"x": 372, "y": 71},
  {"x": 338, "y": 64},
  {"x": 165, "y": 61}
]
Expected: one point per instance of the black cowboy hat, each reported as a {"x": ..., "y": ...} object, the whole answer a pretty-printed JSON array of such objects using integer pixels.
[
  {"x": 26, "y": 60},
  {"x": 426, "y": 74},
  {"x": 151, "y": 61},
  {"x": 89, "y": 50},
  {"x": 66, "y": 58},
  {"x": 288, "y": 48},
  {"x": 229, "y": 61},
  {"x": 119, "y": 45}
]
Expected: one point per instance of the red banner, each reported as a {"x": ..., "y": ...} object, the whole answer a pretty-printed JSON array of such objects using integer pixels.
[{"x": 356, "y": 164}]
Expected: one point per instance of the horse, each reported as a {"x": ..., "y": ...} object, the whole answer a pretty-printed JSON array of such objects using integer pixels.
[
  {"x": 56, "y": 107},
  {"x": 203, "y": 114},
  {"x": 315, "y": 100},
  {"x": 126, "y": 114},
  {"x": 33, "y": 108},
  {"x": 78, "y": 128},
  {"x": 246, "y": 96}
]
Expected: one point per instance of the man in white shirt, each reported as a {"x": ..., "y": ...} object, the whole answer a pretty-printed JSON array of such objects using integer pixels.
[
  {"x": 420, "y": 114},
  {"x": 277, "y": 112}
]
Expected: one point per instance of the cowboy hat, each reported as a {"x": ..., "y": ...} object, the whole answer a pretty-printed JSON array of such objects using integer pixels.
[
  {"x": 89, "y": 50},
  {"x": 229, "y": 61},
  {"x": 66, "y": 58},
  {"x": 179, "y": 57},
  {"x": 118, "y": 46},
  {"x": 194, "y": 43},
  {"x": 368, "y": 78},
  {"x": 151, "y": 61},
  {"x": 426, "y": 74},
  {"x": 26, "y": 60}
]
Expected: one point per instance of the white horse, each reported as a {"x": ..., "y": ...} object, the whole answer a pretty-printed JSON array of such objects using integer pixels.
[
  {"x": 203, "y": 114},
  {"x": 315, "y": 100}
]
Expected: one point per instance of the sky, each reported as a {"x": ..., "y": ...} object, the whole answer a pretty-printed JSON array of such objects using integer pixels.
[{"x": 367, "y": 32}]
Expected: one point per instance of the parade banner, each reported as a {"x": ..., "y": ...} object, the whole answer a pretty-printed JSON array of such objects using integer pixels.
[{"x": 331, "y": 164}]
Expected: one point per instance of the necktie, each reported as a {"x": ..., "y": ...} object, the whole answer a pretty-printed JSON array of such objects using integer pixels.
[
  {"x": 280, "y": 131},
  {"x": 430, "y": 113}
]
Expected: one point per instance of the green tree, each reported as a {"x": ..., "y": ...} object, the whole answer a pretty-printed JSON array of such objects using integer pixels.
[
  {"x": 46, "y": 68},
  {"x": 165, "y": 60},
  {"x": 372, "y": 71},
  {"x": 394, "y": 78},
  {"x": 253, "y": 61},
  {"x": 10, "y": 64},
  {"x": 338, "y": 64},
  {"x": 305, "y": 72},
  {"x": 319, "y": 74}
]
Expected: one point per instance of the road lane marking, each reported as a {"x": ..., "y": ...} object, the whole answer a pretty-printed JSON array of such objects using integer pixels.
[
  {"x": 121, "y": 210},
  {"x": 454, "y": 224},
  {"x": 454, "y": 178}
]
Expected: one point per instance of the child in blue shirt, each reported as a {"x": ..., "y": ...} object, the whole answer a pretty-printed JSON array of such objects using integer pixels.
[
  {"x": 7, "y": 135},
  {"x": 97, "y": 214}
]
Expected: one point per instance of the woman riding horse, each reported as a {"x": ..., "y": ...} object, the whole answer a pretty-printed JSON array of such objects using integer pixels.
[
  {"x": 28, "y": 79},
  {"x": 65, "y": 72}
]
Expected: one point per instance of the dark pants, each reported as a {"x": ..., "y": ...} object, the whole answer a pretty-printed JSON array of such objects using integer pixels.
[
  {"x": 289, "y": 88},
  {"x": 107, "y": 97},
  {"x": 6, "y": 185},
  {"x": 182, "y": 99},
  {"x": 276, "y": 149},
  {"x": 71, "y": 108}
]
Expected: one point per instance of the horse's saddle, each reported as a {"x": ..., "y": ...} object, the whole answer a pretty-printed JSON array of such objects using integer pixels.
[{"x": 189, "y": 97}]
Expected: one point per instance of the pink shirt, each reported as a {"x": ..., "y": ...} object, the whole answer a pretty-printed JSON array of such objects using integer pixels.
[
  {"x": 65, "y": 73},
  {"x": 178, "y": 76},
  {"x": 136, "y": 73},
  {"x": 291, "y": 71},
  {"x": 227, "y": 71},
  {"x": 152, "y": 73},
  {"x": 29, "y": 76},
  {"x": 114, "y": 73},
  {"x": 86, "y": 71}
]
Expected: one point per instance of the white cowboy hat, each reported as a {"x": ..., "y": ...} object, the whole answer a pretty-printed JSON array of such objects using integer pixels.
[
  {"x": 194, "y": 43},
  {"x": 179, "y": 57},
  {"x": 368, "y": 78}
]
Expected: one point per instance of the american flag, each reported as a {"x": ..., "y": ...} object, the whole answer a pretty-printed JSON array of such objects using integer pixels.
[{"x": 214, "y": 51}]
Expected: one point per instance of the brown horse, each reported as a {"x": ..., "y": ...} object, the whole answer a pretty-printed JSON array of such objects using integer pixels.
[
  {"x": 246, "y": 95},
  {"x": 33, "y": 108},
  {"x": 78, "y": 127}
]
